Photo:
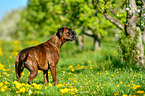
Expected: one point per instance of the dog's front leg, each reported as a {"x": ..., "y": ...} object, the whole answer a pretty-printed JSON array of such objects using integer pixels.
[
  {"x": 53, "y": 72},
  {"x": 45, "y": 73}
]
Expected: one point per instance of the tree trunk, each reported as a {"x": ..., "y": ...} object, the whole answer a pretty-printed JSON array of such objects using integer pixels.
[
  {"x": 140, "y": 47},
  {"x": 144, "y": 36},
  {"x": 133, "y": 29},
  {"x": 97, "y": 42},
  {"x": 80, "y": 42}
]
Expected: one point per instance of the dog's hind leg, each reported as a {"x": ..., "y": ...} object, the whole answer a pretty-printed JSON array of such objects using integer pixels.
[{"x": 31, "y": 65}]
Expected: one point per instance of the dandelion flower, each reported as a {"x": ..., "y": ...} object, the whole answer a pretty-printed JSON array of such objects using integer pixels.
[
  {"x": 50, "y": 84},
  {"x": 59, "y": 85},
  {"x": 116, "y": 94},
  {"x": 22, "y": 90},
  {"x": 124, "y": 95},
  {"x": 121, "y": 82},
  {"x": 140, "y": 92},
  {"x": 127, "y": 85},
  {"x": 1, "y": 84},
  {"x": 118, "y": 85},
  {"x": 2, "y": 89}
]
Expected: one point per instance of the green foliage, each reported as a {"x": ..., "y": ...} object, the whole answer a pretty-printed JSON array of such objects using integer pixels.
[
  {"x": 128, "y": 48},
  {"x": 43, "y": 18}
]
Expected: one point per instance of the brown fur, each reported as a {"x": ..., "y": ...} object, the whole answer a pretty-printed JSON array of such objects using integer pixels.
[{"x": 44, "y": 56}]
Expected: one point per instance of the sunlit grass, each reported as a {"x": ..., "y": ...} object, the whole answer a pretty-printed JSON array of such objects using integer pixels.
[{"x": 79, "y": 73}]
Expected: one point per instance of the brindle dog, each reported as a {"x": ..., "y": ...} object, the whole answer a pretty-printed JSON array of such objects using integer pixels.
[{"x": 44, "y": 56}]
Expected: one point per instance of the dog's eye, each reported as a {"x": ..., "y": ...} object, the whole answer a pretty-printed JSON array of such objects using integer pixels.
[{"x": 68, "y": 33}]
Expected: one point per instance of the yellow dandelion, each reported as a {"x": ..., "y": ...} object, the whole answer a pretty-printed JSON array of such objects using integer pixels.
[
  {"x": 5, "y": 87},
  {"x": 36, "y": 92},
  {"x": 103, "y": 68},
  {"x": 91, "y": 67},
  {"x": 98, "y": 73},
  {"x": 116, "y": 94},
  {"x": 17, "y": 92},
  {"x": 140, "y": 92},
  {"x": 2, "y": 89},
  {"x": 118, "y": 85},
  {"x": 1, "y": 84},
  {"x": 1, "y": 54},
  {"x": 70, "y": 66},
  {"x": 131, "y": 81},
  {"x": 72, "y": 93},
  {"x": 18, "y": 85},
  {"x": 5, "y": 73},
  {"x": 75, "y": 81},
  {"x": 39, "y": 86},
  {"x": 59, "y": 85},
  {"x": 69, "y": 73},
  {"x": 117, "y": 72},
  {"x": 1, "y": 66},
  {"x": 50, "y": 85},
  {"x": 86, "y": 83},
  {"x": 34, "y": 84},
  {"x": 72, "y": 70},
  {"x": 107, "y": 73},
  {"x": 136, "y": 86},
  {"x": 39, "y": 71},
  {"x": 22, "y": 90},
  {"x": 65, "y": 90},
  {"x": 23, "y": 73},
  {"x": 135, "y": 75},
  {"x": 10, "y": 57},
  {"x": 70, "y": 79},
  {"x": 89, "y": 61},
  {"x": 127, "y": 85},
  {"x": 16, "y": 82},
  {"x": 139, "y": 74},
  {"x": 27, "y": 85},
  {"x": 16, "y": 42},
  {"x": 121, "y": 82},
  {"x": 124, "y": 95},
  {"x": 112, "y": 75},
  {"x": 119, "y": 68},
  {"x": 5, "y": 69}
]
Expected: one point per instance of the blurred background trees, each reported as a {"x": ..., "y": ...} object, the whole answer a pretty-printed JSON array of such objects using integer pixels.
[{"x": 99, "y": 20}]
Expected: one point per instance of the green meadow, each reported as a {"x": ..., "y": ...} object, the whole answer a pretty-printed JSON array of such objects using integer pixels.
[{"x": 79, "y": 73}]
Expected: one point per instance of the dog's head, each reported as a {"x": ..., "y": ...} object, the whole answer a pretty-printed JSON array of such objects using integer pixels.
[{"x": 66, "y": 33}]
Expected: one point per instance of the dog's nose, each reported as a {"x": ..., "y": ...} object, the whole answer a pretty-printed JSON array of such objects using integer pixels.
[{"x": 75, "y": 34}]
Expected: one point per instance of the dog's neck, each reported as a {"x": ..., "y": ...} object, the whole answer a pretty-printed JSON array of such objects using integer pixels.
[{"x": 57, "y": 42}]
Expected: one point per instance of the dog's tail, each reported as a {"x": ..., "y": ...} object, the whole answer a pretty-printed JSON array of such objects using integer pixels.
[{"x": 19, "y": 66}]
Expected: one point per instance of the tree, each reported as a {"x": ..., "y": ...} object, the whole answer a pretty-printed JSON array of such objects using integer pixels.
[
  {"x": 130, "y": 23},
  {"x": 41, "y": 18},
  {"x": 84, "y": 17},
  {"x": 9, "y": 25}
]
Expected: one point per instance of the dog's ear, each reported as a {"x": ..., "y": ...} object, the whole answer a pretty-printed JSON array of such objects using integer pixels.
[{"x": 60, "y": 32}]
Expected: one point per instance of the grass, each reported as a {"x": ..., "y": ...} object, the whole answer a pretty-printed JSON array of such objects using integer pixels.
[{"x": 79, "y": 73}]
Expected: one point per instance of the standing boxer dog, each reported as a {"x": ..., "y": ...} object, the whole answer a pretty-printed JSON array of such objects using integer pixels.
[{"x": 44, "y": 56}]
